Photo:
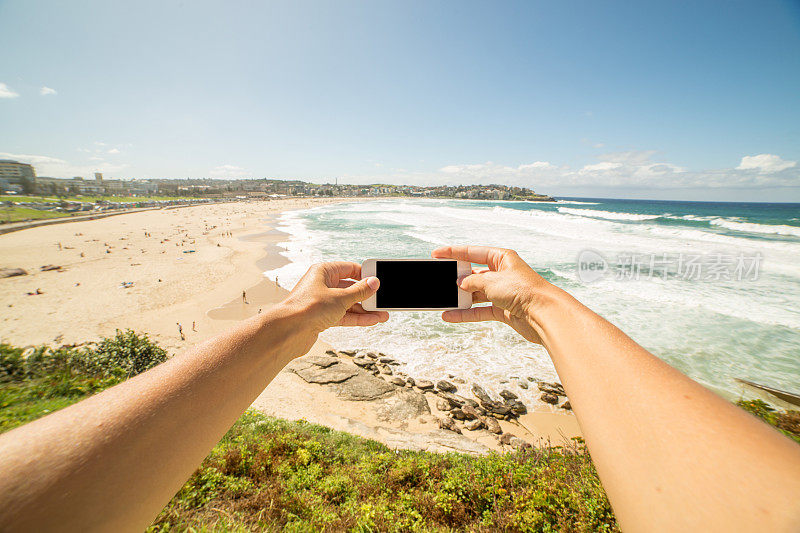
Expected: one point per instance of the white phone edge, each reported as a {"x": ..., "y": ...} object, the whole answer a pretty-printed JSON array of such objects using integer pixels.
[{"x": 464, "y": 268}]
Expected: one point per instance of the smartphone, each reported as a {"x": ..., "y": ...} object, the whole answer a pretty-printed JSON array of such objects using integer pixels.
[{"x": 417, "y": 284}]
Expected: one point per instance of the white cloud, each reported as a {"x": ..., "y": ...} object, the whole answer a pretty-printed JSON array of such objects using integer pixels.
[
  {"x": 6, "y": 92},
  {"x": 113, "y": 151},
  {"x": 229, "y": 171},
  {"x": 765, "y": 163},
  {"x": 44, "y": 91}
]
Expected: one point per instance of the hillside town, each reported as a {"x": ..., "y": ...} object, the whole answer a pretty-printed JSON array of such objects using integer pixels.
[{"x": 20, "y": 178}]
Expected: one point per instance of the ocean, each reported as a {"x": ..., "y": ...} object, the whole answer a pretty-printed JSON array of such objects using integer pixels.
[{"x": 711, "y": 288}]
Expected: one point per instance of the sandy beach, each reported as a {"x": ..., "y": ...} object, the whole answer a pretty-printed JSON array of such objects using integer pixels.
[{"x": 153, "y": 271}]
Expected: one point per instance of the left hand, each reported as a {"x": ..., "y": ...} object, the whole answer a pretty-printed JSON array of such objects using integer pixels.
[{"x": 328, "y": 294}]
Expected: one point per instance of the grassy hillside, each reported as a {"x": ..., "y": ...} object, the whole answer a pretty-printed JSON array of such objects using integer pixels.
[{"x": 268, "y": 474}]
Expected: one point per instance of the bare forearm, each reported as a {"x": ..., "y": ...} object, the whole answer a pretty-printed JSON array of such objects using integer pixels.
[
  {"x": 114, "y": 460},
  {"x": 662, "y": 442}
]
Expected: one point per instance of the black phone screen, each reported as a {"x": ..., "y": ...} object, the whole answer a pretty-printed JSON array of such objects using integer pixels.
[{"x": 417, "y": 284}]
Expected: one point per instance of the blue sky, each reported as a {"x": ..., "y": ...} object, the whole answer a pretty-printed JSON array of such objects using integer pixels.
[{"x": 673, "y": 100}]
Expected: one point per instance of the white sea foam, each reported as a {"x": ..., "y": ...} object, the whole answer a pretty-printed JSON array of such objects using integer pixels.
[
  {"x": 610, "y": 215},
  {"x": 689, "y": 323},
  {"x": 749, "y": 227}
]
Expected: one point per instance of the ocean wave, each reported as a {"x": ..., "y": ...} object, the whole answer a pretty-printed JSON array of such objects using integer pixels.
[
  {"x": 610, "y": 215},
  {"x": 575, "y": 202},
  {"x": 751, "y": 227}
]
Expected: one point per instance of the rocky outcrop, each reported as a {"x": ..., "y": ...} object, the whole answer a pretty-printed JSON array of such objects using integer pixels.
[
  {"x": 332, "y": 373},
  {"x": 445, "y": 386},
  {"x": 12, "y": 272}
]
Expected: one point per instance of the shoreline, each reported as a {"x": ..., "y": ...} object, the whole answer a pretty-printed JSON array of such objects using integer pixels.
[{"x": 189, "y": 267}]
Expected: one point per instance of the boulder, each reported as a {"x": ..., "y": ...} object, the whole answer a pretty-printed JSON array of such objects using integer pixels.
[
  {"x": 452, "y": 399},
  {"x": 493, "y": 426},
  {"x": 470, "y": 413},
  {"x": 351, "y": 353},
  {"x": 371, "y": 355},
  {"x": 386, "y": 359},
  {"x": 480, "y": 393},
  {"x": 12, "y": 272},
  {"x": 48, "y": 268},
  {"x": 551, "y": 388},
  {"x": 448, "y": 424},
  {"x": 508, "y": 395},
  {"x": 410, "y": 381},
  {"x": 459, "y": 381},
  {"x": 385, "y": 369},
  {"x": 424, "y": 384},
  {"x": 522, "y": 384},
  {"x": 505, "y": 438},
  {"x": 336, "y": 373},
  {"x": 322, "y": 361},
  {"x": 473, "y": 425},
  {"x": 497, "y": 408},
  {"x": 400, "y": 382},
  {"x": 458, "y": 414},
  {"x": 445, "y": 386},
  {"x": 332, "y": 353},
  {"x": 363, "y": 387},
  {"x": 566, "y": 405},
  {"x": 362, "y": 361},
  {"x": 518, "y": 444},
  {"x": 401, "y": 406},
  {"x": 517, "y": 407},
  {"x": 532, "y": 379},
  {"x": 443, "y": 405},
  {"x": 550, "y": 398}
]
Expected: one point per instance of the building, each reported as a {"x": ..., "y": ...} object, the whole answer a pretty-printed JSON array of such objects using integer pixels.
[{"x": 18, "y": 176}]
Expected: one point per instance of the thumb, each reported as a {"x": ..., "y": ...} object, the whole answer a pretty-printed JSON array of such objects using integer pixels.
[
  {"x": 361, "y": 290},
  {"x": 474, "y": 282}
]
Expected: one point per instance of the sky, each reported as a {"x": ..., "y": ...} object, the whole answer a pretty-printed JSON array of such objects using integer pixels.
[{"x": 692, "y": 100}]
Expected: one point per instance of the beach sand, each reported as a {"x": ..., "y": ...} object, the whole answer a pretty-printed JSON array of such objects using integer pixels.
[{"x": 189, "y": 266}]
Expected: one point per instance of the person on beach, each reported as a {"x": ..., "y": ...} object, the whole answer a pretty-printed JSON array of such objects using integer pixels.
[{"x": 670, "y": 453}]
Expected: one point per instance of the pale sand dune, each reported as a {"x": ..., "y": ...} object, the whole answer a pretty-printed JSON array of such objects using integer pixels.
[{"x": 86, "y": 301}]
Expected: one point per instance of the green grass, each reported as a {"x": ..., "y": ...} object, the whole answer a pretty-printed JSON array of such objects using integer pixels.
[
  {"x": 268, "y": 474},
  {"x": 92, "y": 199},
  {"x": 17, "y": 214},
  {"x": 28, "y": 199}
]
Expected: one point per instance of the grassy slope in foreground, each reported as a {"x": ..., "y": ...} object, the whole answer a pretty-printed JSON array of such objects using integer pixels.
[{"x": 275, "y": 475}]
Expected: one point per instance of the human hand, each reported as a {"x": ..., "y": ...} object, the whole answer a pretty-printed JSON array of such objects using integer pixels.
[
  {"x": 513, "y": 288},
  {"x": 327, "y": 295}
]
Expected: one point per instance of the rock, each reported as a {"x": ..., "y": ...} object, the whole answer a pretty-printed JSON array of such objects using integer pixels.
[
  {"x": 448, "y": 424},
  {"x": 385, "y": 369},
  {"x": 497, "y": 408},
  {"x": 363, "y": 387},
  {"x": 473, "y": 425},
  {"x": 531, "y": 379},
  {"x": 452, "y": 399},
  {"x": 522, "y": 384},
  {"x": 518, "y": 443},
  {"x": 445, "y": 386},
  {"x": 550, "y": 398},
  {"x": 459, "y": 381},
  {"x": 410, "y": 381},
  {"x": 12, "y": 272},
  {"x": 517, "y": 407},
  {"x": 386, "y": 359},
  {"x": 470, "y": 413},
  {"x": 401, "y": 406},
  {"x": 566, "y": 405},
  {"x": 362, "y": 361},
  {"x": 551, "y": 388},
  {"x": 458, "y": 414},
  {"x": 480, "y": 393},
  {"x": 332, "y": 353},
  {"x": 371, "y": 355},
  {"x": 493, "y": 426},
  {"x": 508, "y": 395},
  {"x": 351, "y": 353},
  {"x": 336, "y": 373},
  {"x": 424, "y": 384},
  {"x": 47, "y": 268},
  {"x": 321, "y": 361},
  {"x": 400, "y": 382},
  {"x": 505, "y": 438},
  {"x": 443, "y": 405}
]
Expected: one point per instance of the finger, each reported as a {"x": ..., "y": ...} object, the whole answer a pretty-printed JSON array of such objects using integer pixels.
[
  {"x": 480, "y": 270},
  {"x": 359, "y": 291},
  {"x": 343, "y": 284},
  {"x": 476, "y": 282},
  {"x": 365, "y": 318},
  {"x": 483, "y": 255},
  {"x": 479, "y": 297},
  {"x": 334, "y": 271},
  {"x": 473, "y": 314}
]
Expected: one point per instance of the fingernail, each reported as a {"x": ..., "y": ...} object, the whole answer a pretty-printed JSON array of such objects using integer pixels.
[{"x": 373, "y": 283}]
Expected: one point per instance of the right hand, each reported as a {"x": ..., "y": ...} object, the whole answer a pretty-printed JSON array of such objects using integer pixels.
[{"x": 513, "y": 288}]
